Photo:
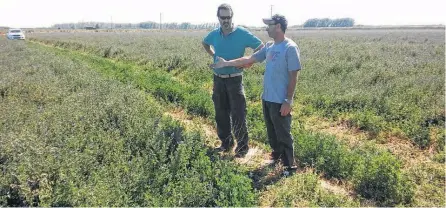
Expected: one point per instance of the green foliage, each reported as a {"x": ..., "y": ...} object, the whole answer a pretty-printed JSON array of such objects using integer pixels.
[
  {"x": 256, "y": 123},
  {"x": 73, "y": 138},
  {"x": 160, "y": 84},
  {"x": 377, "y": 175},
  {"x": 381, "y": 83},
  {"x": 324, "y": 153},
  {"x": 382, "y": 180},
  {"x": 199, "y": 103},
  {"x": 374, "y": 81},
  {"x": 303, "y": 190},
  {"x": 440, "y": 157},
  {"x": 430, "y": 179}
]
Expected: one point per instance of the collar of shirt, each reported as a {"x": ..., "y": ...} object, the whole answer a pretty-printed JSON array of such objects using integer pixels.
[{"x": 234, "y": 27}]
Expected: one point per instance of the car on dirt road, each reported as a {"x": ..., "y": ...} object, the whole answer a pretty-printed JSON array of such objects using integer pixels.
[{"x": 15, "y": 34}]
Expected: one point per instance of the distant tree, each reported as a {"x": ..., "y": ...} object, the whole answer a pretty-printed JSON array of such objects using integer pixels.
[
  {"x": 141, "y": 25},
  {"x": 311, "y": 23},
  {"x": 326, "y": 22},
  {"x": 185, "y": 25}
]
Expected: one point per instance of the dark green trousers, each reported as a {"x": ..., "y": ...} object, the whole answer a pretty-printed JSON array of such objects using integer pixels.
[
  {"x": 279, "y": 132},
  {"x": 230, "y": 111}
]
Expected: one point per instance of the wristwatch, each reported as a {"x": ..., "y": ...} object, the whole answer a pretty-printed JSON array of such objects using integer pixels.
[{"x": 288, "y": 101}]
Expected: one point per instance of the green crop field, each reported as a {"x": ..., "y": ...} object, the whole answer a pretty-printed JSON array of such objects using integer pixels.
[{"x": 86, "y": 119}]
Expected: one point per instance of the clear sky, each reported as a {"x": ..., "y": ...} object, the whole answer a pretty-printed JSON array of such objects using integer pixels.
[{"x": 44, "y": 13}]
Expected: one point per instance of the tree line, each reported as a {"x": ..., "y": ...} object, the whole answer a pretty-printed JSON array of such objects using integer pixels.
[
  {"x": 314, "y": 22},
  {"x": 141, "y": 25},
  {"x": 326, "y": 22}
]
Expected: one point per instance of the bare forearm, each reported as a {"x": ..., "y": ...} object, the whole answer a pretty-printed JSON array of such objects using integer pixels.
[
  {"x": 292, "y": 84},
  {"x": 208, "y": 49},
  {"x": 240, "y": 61}
]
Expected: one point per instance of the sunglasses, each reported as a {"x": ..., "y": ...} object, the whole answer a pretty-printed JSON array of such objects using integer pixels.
[
  {"x": 272, "y": 25},
  {"x": 225, "y": 17}
]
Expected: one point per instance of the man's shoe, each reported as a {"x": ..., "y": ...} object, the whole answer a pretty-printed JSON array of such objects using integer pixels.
[
  {"x": 289, "y": 171},
  {"x": 241, "y": 152},
  {"x": 222, "y": 149}
]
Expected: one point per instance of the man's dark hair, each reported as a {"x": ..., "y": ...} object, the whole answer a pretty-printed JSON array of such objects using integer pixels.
[
  {"x": 283, "y": 27},
  {"x": 226, "y": 7},
  {"x": 280, "y": 19}
]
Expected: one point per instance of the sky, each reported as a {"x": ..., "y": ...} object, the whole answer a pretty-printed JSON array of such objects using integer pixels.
[{"x": 45, "y": 13}]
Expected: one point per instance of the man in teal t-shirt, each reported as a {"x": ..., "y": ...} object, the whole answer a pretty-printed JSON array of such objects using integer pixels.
[{"x": 229, "y": 41}]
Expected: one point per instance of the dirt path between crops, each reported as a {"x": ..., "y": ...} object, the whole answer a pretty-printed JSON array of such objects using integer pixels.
[
  {"x": 405, "y": 150},
  {"x": 264, "y": 171}
]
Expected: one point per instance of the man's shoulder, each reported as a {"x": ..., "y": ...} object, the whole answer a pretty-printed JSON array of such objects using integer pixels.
[
  {"x": 214, "y": 31},
  {"x": 290, "y": 43},
  {"x": 269, "y": 44},
  {"x": 242, "y": 29}
]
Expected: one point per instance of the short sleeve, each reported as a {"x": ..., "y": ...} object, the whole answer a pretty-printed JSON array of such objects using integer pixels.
[
  {"x": 293, "y": 59},
  {"x": 260, "y": 55},
  {"x": 252, "y": 41},
  {"x": 208, "y": 38}
]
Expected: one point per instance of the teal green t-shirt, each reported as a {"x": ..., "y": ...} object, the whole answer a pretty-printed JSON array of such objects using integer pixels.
[{"x": 231, "y": 46}]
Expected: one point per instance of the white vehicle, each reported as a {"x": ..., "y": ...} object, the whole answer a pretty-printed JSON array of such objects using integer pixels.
[{"x": 15, "y": 34}]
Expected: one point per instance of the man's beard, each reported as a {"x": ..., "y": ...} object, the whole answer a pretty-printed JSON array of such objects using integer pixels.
[{"x": 270, "y": 34}]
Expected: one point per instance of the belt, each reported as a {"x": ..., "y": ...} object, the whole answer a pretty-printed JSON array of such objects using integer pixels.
[{"x": 228, "y": 75}]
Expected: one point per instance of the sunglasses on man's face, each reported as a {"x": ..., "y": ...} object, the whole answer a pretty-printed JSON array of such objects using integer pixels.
[
  {"x": 272, "y": 25},
  {"x": 225, "y": 17}
]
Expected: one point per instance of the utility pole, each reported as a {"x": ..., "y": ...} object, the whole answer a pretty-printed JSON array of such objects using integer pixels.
[
  {"x": 161, "y": 14},
  {"x": 272, "y": 10},
  {"x": 111, "y": 22}
]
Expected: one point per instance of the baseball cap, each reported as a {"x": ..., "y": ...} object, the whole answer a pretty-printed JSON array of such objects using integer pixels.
[{"x": 277, "y": 18}]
